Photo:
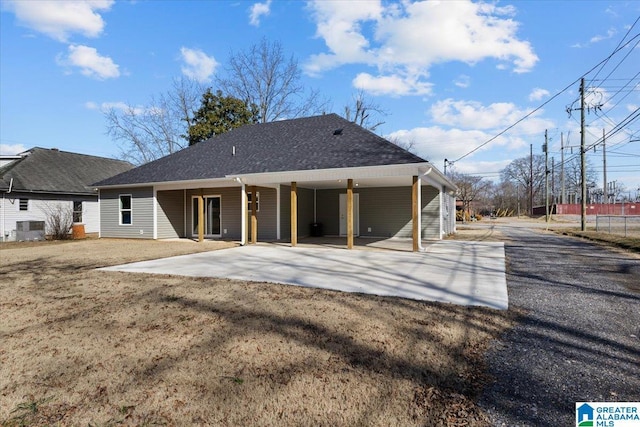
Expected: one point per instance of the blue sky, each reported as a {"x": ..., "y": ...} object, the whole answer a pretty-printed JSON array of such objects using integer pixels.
[{"x": 451, "y": 74}]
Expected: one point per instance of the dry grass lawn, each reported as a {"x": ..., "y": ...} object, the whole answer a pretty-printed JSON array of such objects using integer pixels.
[{"x": 86, "y": 347}]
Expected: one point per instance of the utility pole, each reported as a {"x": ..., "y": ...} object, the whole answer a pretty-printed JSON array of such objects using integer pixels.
[
  {"x": 546, "y": 176},
  {"x": 554, "y": 199},
  {"x": 583, "y": 169},
  {"x": 604, "y": 169},
  {"x": 562, "y": 193},
  {"x": 531, "y": 180},
  {"x": 445, "y": 167}
]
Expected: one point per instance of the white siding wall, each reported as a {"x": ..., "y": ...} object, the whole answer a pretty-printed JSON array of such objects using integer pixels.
[
  {"x": 39, "y": 206},
  {"x": 91, "y": 216}
]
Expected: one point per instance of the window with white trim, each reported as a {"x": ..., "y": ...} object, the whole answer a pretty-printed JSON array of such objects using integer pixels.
[
  {"x": 77, "y": 211},
  {"x": 249, "y": 198},
  {"x": 125, "y": 209},
  {"x": 23, "y": 204}
]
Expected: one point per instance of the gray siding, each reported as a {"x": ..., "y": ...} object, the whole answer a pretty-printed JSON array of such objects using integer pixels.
[
  {"x": 267, "y": 215},
  {"x": 384, "y": 211},
  {"x": 328, "y": 210},
  {"x": 305, "y": 211},
  {"x": 430, "y": 212},
  {"x": 285, "y": 212},
  {"x": 141, "y": 214},
  {"x": 230, "y": 218},
  {"x": 170, "y": 214}
]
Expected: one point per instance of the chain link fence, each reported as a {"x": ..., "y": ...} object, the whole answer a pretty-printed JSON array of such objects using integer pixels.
[{"x": 624, "y": 225}]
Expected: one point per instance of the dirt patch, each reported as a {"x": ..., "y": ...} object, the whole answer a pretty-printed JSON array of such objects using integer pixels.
[
  {"x": 81, "y": 346},
  {"x": 480, "y": 233}
]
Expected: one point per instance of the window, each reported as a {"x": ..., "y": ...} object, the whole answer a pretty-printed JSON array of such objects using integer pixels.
[
  {"x": 24, "y": 204},
  {"x": 249, "y": 198},
  {"x": 77, "y": 211},
  {"x": 125, "y": 209}
]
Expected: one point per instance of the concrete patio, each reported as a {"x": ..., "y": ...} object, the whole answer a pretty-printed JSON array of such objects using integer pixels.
[{"x": 457, "y": 272}]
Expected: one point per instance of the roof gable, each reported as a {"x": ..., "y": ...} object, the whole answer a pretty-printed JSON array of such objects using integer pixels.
[
  {"x": 311, "y": 143},
  {"x": 53, "y": 171}
]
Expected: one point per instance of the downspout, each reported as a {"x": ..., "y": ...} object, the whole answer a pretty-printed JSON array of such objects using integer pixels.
[
  {"x": 4, "y": 237},
  {"x": 420, "y": 248}
]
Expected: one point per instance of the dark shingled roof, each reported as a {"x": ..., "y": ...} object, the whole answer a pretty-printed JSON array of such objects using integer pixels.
[
  {"x": 45, "y": 170},
  {"x": 299, "y": 144}
]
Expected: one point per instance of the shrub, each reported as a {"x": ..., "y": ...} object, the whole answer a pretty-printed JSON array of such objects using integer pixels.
[{"x": 59, "y": 221}]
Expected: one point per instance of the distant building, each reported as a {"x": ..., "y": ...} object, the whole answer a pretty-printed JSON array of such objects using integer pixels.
[{"x": 38, "y": 180}]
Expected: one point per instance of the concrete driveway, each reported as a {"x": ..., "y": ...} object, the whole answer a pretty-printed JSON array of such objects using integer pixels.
[{"x": 458, "y": 272}]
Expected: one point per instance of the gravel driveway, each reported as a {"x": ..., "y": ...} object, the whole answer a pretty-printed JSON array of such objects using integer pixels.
[{"x": 578, "y": 337}]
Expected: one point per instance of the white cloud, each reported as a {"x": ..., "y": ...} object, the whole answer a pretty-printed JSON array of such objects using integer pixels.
[
  {"x": 59, "y": 19},
  {"x": 117, "y": 105},
  {"x": 90, "y": 62},
  {"x": 257, "y": 11},
  {"x": 611, "y": 32},
  {"x": 197, "y": 64},
  {"x": 538, "y": 94},
  {"x": 496, "y": 116},
  {"x": 462, "y": 81},
  {"x": 461, "y": 126},
  {"x": 393, "y": 85},
  {"x": 406, "y": 39},
  {"x": 11, "y": 149},
  {"x": 598, "y": 38},
  {"x": 436, "y": 143}
]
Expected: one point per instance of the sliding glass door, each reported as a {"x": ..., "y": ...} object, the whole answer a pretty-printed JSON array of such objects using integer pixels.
[{"x": 211, "y": 216}]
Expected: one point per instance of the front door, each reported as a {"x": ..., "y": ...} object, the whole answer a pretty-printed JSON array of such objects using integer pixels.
[
  {"x": 211, "y": 216},
  {"x": 356, "y": 214}
]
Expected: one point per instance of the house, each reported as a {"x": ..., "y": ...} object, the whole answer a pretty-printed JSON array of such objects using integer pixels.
[
  {"x": 280, "y": 181},
  {"x": 38, "y": 180}
]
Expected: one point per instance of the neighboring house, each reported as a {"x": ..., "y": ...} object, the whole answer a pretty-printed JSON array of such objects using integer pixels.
[
  {"x": 280, "y": 181},
  {"x": 38, "y": 180}
]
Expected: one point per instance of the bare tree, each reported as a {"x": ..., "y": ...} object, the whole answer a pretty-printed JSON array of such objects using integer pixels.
[
  {"x": 409, "y": 145},
  {"x": 470, "y": 189},
  {"x": 364, "y": 112},
  {"x": 520, "y": 172},
  {"x": 59, "y": 219},
  {"x": 265, "y": 77},
  {"x": 573, "y": 177},
  {"x": 160, "y": 127}
]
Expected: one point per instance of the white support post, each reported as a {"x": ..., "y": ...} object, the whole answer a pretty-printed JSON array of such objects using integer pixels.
[
  {"x": 243, "y": 214},
  {"x": 419, "y": 214},
  {"x": 278, "y": 212},
  {"x": 155, "y": 213}
]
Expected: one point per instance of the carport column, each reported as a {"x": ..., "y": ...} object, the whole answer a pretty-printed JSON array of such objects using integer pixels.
[
  {"x": 243, "y": 215},
  {"x": 441, "y": 195},
  {"x": 254, "y": 217},
  {"x": 350, "y": 214},
  {"x": 415, "y": 203},
  {"x": 200, "y": 217},
  {"x": 294, "y": 213},
  {"x": 155, "y": 212}
]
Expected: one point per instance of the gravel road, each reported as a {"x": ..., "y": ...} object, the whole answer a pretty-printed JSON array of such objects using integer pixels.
[{"x": 579, "y": 335}]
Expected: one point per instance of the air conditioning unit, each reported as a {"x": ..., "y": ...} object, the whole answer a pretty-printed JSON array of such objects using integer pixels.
[{"x": 29, "y": 230}]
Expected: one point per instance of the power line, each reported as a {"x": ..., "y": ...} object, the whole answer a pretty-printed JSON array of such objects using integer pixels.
[{"x": 620, "y": 47}]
